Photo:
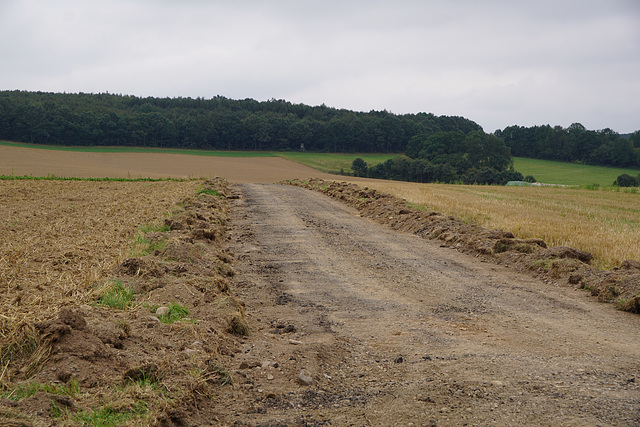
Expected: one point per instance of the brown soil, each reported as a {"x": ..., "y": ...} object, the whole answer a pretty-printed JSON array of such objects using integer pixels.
[
  {"x": 37, "y": 162},
  {"x": 352, "y": 322},
  {"x": 62, "y": 243}
]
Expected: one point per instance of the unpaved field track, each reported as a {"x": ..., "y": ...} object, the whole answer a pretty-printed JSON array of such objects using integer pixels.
[{"x": 396, "y": 330}]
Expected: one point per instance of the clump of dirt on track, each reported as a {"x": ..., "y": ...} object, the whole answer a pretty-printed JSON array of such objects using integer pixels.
[
  {"x": 562, "y": 265},
  {"x": 67, "y": 355}
]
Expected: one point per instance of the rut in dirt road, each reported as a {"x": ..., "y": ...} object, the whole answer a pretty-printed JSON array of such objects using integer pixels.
[{"x": 435, "y": 336}]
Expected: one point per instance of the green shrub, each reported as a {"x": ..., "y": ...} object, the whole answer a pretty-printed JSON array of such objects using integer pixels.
[{"x": 626, "y": 180}]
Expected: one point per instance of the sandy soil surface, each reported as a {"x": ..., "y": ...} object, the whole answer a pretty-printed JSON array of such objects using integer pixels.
[
  {"x": 37, "y": 162},
  {"x": 393, "y": 329}
]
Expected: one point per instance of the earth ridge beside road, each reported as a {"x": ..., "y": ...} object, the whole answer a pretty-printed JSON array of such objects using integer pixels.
[{"x": 557, "y": 264}]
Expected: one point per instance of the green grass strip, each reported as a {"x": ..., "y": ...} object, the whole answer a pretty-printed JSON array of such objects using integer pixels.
[
  {"x": 73, "y": 178},
  {"x": 107, "y": 416},
  {"x": 553, "y": 172},
  {"x": 24, "y": 391}
]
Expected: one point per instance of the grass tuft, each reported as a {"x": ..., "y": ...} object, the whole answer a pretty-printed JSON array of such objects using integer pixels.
[
  {"x": 223, "y": 376},
  {"x": 176, "y": 313},
  {"x": 116, "y": 295},
  {"x": 210, "y": 191},
  {"x": 26, "y": 390},
  {"x": 238, "y": 325},
  {"x": 108, "y": 416},
  {"x": 143, "y": 245}
]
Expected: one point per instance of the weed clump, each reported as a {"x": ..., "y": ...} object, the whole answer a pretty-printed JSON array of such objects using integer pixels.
[
  {"x": 238, "y": 325},
  {"x": 210, "y": 192},
  {"x": 176, "y": 313},
  {"x": 221, "y": 375},
  {"x": 144, "y": 245},
  {"x": 27, "y": 390},
  {"x": 116, "y": 295}
]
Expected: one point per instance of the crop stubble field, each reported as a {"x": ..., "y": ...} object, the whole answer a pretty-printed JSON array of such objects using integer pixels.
[
  {"x": 603, "y": 222},
  {"x": 66, "y": 245},
  {"x": 59, "y": 239}
]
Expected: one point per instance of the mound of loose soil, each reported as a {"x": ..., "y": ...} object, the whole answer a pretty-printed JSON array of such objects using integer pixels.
[
  {"x": 132, "y": 358},
  {"x": 561, "y": 265}
]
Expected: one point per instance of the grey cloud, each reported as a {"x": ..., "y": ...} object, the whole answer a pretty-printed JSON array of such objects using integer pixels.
[{"x": 497, "y": 62}]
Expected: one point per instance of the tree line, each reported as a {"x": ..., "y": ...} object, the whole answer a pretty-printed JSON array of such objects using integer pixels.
[
  {"x": 436, "y": 148},
  {"x": 218, "y": 123},
  {"x": 574, "y": 144},
  {"x": 453, "y": 156}
]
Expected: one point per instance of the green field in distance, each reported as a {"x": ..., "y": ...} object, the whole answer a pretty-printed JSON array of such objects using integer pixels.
[{"x": 545, "y": 171}]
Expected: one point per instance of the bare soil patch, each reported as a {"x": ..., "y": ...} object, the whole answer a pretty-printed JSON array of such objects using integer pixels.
[{"x": 36, "y": 162}]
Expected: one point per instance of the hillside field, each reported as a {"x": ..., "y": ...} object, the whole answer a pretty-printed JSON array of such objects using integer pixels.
[
  {"x": 334, "y": 162},
  {"x": 552, "y": 172},
  {"x": 605, "y": 222},
  {"x": 545, "y": 171}
]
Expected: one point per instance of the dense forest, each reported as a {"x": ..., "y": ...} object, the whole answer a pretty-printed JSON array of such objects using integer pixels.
[
  {"x": 573, "y": 144},
  {"x": 436, "y": 148},
  {"x": 213, "y": 124}
]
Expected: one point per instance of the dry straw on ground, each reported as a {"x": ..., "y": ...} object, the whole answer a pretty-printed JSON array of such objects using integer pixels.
[
  {"x": 58, "y": 240},
  {"x": 605, "y": 223},
  {"x": 83, "y": 268}
]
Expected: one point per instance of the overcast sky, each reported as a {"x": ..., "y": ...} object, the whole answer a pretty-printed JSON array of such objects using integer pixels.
[{"x": 497, "y": 62}]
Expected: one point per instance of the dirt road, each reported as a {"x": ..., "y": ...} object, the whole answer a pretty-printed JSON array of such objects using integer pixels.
[{"x": 396, "y": 330}]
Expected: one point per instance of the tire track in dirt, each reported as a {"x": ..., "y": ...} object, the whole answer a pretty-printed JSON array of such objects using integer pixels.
[{"x": 419, "y": 333}]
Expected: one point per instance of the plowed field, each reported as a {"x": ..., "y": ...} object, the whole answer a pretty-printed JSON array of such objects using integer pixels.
[{"x": 37, "y": 162}]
